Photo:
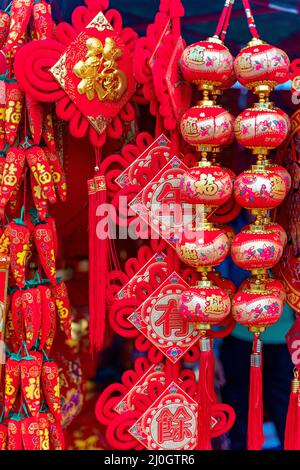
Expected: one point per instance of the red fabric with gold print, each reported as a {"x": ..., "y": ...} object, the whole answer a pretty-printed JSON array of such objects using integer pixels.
[
  {"x": 13, "y": 169},
  {"x": 44, "y": 241},
  {"x": 63, "y": 307},
  {"x": 41, "y": 171},
  {"x": 17, "y": 318},
  {"x": 44, "y": 432},
  {"x": 30, "y": 433},
  {"x": 57, "y": 440},
  {"x": 47, "y": 314},
  {"x": 19, "y": 249},
  {"x": 58, "y": 173},
  {"x": 31, "y": 368},
  {"x": 12, "y": 382},
  {"x": 14, "y": 108},
  {"x": 14, "y": 434},
  {"x": 50, "y": 386},
  {"x": 31, "y": 307},
  {"x": 42, "y": 20},
  {"x": 3, "y": 436}
]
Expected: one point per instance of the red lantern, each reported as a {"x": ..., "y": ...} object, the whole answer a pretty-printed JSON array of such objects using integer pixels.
[
  {"x": 206, "y": 247},
  {"x": 210, "y": 185},
  {"x": 208, "y": 64},
  {"x": 259, "y": 188},
  {"x": 257, "y": 308},
  {"x": 260, "y": 63},
  {"x": 255, "y": 249},
  {"x": 205, "y": 305},
  {"x": 207, "y": 125},
  {"x": 261, "y": 127}
]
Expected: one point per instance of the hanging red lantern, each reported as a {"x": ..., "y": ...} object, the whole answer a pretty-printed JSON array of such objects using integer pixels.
[
  {"x": 260, "y": 64},
  {"x": 261, "y": 127},
  {"x": 208, "y": 64},
  {"x": 256, "y": 248},
  {"x": 211, "y": 185},
  {"x": 205, "y": 304},
  {"x": 259, "y": 188},
  {"x": 203, "y": 247},
  {"x": 207, "y": 125},
  {"x": 257, "y": 308}
]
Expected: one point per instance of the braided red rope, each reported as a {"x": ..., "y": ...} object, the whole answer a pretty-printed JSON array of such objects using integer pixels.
[{"x": 250, "y": 19}]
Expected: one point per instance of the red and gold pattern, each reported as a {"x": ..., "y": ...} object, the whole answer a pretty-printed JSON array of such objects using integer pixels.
[
  {"x": 41, "y": 170},
  {"x": 31, "y": 368},
  {"x": 3, "y": 436},
  {"x": 14, "y": 108},
  {"x": 12, "y": 382},
  {"x": 63, "y": 308},
  {"x": 13, "y": 169},
  {"x": 51, "y": 390},
  {"x": 14, "y": 434},
  {"x": 30, "y": 433},
  {"x": 32, "y": 312},
  {"x": 45, "y": 244}
]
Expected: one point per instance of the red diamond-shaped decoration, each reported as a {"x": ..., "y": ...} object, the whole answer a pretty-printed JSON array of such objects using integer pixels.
[{"x": 159, "y": 320}]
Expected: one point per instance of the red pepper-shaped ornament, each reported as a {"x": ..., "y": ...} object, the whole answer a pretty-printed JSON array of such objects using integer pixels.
[
  {"x": 35, "y": 118},
  {"x": 44, "y": 432},
  {"x": 14, "y": 108},
  {"x": 12, "y": 382},
  {"x": 19, "y": 237},
  {"x": 3, "y": 436},
  {"x": 57, "y": 440},
  {"x": 48, "y": 128},
  {"x": 44, "y": 241},
  {"x": 13, "y": 170},
  {"x": 14, "y": 434},
  {"x": 52, "y": 224},
  {"x": 4, "y": 27},
  {"x": 31, "y": 368},
  {"x": 20, "y": 12},
  {"x": 30, "y": 433},
  {"x": 47, "y": 312},
  {"x": 52, "y": 330},
  {"x": 40, "y": 168},
  {"x": 32, "y": 306},
  {"x": 4, "y": 241},
  {"x": 39, "y": 198},
  {"x": 17, "y": 317},
  {"x": 2, "y": 114},
  {"x": 42, "y": 20},
  {"x": 58, "y": 174},
  {"x": 63, "y": 307},
  {"x": 51, "y": 389}
]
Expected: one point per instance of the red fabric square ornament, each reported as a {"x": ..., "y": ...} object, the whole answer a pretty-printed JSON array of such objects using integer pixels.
[{"x": 96, "y": 73}]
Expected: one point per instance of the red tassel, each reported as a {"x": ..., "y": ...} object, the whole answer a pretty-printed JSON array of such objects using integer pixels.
[
  {"x": 98, "y": 264},
  {"x": 255, "y": 435},
  {"x": 292, "y": 424},
  {"x": 206, "y": 394}
]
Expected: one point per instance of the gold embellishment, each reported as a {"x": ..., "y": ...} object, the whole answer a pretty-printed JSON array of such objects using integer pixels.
[
  {"x": 99, "y": 73},
  {"x": 59, "y": 71},
  {"x": 100, "y": 23}
]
